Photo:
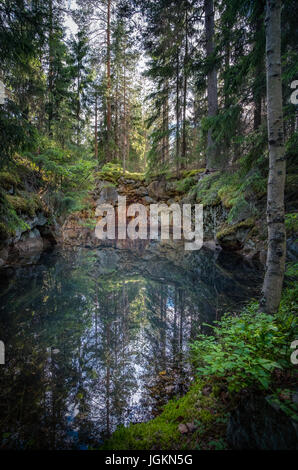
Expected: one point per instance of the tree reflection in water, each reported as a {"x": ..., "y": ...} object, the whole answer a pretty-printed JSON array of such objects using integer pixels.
[{"x": 96, "y": 338}]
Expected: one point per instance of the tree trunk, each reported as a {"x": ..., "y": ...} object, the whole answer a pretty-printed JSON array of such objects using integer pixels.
[
  {"x": 184, "y": 149},
  {"x": 124, "y": 119},
  {"x": 78, "y": 112},
  {"x": 116, "y": 126},
  {"x": 259, "y": 66},
  {"x": 51, "y": 72},
  {"x": 109, "y": 114},
  {"x": 95, "y": 131},
  {"x": 165, "y": 126},
  {"x": 177, "y": 113},
  {"x": 211, "y": 81},
  {"x": 276, "y": 253}
]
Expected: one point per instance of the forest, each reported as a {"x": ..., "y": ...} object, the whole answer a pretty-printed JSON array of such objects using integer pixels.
[{"x": 139, "y": 344}]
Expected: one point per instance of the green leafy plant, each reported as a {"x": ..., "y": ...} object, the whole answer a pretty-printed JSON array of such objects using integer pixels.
[
  {"x": 291, "y": 222},
  {"x": 246, "y": 349}
]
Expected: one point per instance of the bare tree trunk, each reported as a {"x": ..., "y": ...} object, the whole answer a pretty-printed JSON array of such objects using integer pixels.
[
  {"x": 184, "y": 149},
  {"x": 109, "y": 113},
  {"x": 78, "y": 111},
  {"x": 259, "y": 50},
  {"x": 51, "y": 72},
  {"x": 165, "y": 127},
  {"x": 124, "y": 120},
  {"x": 95, "y": 130},
  {"x": 211, "y": 82},
  {"x": 116, "y": 127},
  {"x": 276, "y": 253},
  {"x": 177, "y": 113}
]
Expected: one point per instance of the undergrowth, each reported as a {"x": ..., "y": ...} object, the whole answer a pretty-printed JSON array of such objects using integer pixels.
[{"x": 248, "y": 351}]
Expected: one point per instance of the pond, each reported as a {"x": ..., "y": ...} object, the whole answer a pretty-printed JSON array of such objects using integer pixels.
[{"x": 95, "y": 338}]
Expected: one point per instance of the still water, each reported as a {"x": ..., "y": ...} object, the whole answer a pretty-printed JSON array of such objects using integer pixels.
[{"x": 98, "y": 338}]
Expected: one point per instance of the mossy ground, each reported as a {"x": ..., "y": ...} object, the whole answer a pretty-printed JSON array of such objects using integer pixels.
[{"x": 199, "y": 407}]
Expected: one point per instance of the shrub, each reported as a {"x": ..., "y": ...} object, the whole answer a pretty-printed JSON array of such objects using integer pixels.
[
  {"x": 291, "y": 222},
  {"x": 247, "y": 348}
]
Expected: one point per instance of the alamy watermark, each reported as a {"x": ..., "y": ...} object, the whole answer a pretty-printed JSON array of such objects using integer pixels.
[
  {"x": 294, "y": 355},
  {"x": 2, "y": 353},
  {"x": 162, "y": 219},
  {"x": 2, "y": 92},
  {"x": 294, "y": 94}
]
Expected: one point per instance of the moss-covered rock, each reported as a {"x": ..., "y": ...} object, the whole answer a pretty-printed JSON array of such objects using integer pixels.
[
  {"x": 233, "y": 237},
  {"x": 25, "y": 203},
  {"x": 114, "y": 174}
]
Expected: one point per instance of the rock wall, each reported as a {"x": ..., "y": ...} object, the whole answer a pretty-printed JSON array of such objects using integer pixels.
[
  {"x": 241, "y": 237},
  {"x": 28, "y": 243},
  {"x": 246, "y": 237}
]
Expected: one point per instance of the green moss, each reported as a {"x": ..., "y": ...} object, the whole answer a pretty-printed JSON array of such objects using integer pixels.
[
  {"x": 228, "y": 195},
  {"x": 187, "y": 173},
  {"x": 229, "y": 230},
  {"x": 237, "y": 192},
  {"x": 240, "y": 209},
  {"x": 134, "y": 176},
  {"x": 206, "y": 190},
  {"x": 163, "y": 431},
  {"x": 185, "y": 184},
  {"x": 9, "y": 220},
  {"x": 112, "y": 173},
  {"x": 108, "y": 185},
  {"x": 27, "y": 203},
  {"x": 8, "y": 179}
]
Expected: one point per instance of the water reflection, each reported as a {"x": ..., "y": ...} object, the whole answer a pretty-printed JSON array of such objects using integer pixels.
[{"x": 95, "y": 338}]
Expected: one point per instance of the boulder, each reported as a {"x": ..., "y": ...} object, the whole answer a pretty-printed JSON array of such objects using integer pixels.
[
  {"x": 29, "y": 241},
  {"x": 38, "y": 221},
  {"x": 233, "y": 237}
]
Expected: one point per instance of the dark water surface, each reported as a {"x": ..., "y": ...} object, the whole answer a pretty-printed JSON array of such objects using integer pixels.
[{"x": 96, "y": 338}]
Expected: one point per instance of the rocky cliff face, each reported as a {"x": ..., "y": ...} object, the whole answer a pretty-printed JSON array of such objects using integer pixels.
[
  {"x": 29, "y": 242},
  {"x": 246, "y": 236},
  {"x": 79, "y": 228}
]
